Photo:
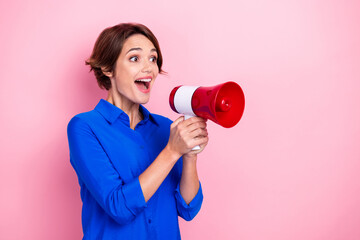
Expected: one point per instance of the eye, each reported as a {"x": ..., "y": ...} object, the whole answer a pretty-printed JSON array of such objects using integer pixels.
[
  {"x": 134, "y": 59},
  {"x": 153, "y": 59}
]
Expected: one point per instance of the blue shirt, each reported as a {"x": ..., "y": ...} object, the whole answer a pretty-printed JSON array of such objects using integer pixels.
[{"x": 108, "y": 157}]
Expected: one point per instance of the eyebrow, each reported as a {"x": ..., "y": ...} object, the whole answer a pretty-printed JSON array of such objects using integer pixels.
[{"x": 140, "y": 49}]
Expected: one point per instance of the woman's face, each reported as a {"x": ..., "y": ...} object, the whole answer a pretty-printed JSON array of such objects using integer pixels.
[{"x": 135, "y": 70}]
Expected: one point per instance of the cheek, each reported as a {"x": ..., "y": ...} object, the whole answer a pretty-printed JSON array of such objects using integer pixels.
[{"x": 126, "y": 74}]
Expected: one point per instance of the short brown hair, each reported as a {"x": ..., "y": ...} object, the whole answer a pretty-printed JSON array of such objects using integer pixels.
[{"x": 108, "y": 47}]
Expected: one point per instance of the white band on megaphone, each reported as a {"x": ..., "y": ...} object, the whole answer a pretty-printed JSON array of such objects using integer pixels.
[{"x": 182, "y": 99}]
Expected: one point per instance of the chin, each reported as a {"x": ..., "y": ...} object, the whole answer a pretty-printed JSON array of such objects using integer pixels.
[{"x": 144, "y": 100}]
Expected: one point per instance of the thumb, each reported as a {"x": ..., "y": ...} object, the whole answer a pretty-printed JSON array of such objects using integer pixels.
[{"x": 177, "y": 121}]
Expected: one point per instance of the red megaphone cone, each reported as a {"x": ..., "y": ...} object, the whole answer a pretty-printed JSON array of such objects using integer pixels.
[{"x": 223, "y": 104}]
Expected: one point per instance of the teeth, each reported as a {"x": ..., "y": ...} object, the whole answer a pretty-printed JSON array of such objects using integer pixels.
[{"x": 144, "y": 80}]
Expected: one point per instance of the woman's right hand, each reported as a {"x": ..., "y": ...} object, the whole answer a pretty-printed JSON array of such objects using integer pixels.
[{"x": 186, "y": 134}]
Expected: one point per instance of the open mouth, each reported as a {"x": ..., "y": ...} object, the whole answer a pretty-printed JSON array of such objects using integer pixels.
[{"x": 143, "y": 84}]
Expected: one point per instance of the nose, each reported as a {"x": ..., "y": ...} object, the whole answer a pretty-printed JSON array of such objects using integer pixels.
[{"x": 146, "y": 67}]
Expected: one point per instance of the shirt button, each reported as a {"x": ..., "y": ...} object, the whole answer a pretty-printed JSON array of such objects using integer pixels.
[
  {"x": 141, "y": 146},
  {"x": 149, "y": 221}
]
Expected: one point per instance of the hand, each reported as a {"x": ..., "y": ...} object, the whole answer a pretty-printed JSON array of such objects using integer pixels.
[{"x": 186, "y": 134}]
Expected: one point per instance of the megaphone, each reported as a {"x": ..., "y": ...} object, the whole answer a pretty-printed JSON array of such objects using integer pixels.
[{"x": 223, "y": 104}]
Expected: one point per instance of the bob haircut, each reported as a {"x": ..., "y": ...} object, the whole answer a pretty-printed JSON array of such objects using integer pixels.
[{"x": 108, "y": 47}]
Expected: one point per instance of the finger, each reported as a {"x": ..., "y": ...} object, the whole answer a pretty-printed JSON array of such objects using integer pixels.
[
  {"x": 198, "y": 141},
  {"x": 189, "y": 126},
  {"x": 197, "y": 125},
  {"x": 189, "y": 138},
  {"x": 201, "y": 144},
  {"x": 199, "y": 132},
  {"x": 192, "y": 120},
  {"x": 192, "y": 125},
  {"x": 177, "y": 121}
]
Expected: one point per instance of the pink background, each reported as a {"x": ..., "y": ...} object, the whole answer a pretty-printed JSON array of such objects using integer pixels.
[{"x": 288, "y": 170}]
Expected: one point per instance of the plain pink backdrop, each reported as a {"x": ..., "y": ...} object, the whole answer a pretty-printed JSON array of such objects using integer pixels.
[{"x": 288, "y": 170}]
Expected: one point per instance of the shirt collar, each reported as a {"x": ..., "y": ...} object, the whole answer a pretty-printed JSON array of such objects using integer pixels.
[{"x": 111, "y": 112}]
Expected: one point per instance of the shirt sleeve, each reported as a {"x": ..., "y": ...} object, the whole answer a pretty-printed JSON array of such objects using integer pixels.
[
  {"x": 188, "y": 211},
  {"x": 122, "y": 201}
]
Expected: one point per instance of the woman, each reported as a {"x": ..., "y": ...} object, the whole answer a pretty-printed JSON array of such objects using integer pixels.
[{"x": 136, "y": 170}]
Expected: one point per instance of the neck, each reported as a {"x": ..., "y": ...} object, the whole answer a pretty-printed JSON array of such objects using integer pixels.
[{"x": 130, "y": 108}]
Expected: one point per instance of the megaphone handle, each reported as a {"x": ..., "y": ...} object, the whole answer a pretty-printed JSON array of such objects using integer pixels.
[{"x": 185, "y": 118}]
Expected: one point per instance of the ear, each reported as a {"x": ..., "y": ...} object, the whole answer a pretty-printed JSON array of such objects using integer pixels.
[{"x": 106, "y": 72}]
